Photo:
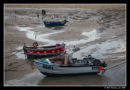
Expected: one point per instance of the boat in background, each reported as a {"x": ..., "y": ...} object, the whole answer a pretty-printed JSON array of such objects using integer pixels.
[
  {"x": 54, "y": 23},
  {"x": 43, "y": 51}
]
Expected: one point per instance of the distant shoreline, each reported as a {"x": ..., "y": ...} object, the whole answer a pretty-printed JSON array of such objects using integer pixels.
[{"x": 90, "y": 6}]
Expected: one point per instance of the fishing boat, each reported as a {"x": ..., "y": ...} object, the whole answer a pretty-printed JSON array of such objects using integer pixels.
[
  {"x": 74, "y": 67},
  {"x": 43, "y": 51},
  {"x": 54, "y": 23}
]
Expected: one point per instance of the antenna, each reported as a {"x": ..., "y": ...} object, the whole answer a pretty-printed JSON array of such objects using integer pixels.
[{"x": 35, "y": 36}]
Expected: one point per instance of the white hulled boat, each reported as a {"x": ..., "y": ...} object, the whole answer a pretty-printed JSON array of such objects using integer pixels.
[{"x": 72, "y": 67}]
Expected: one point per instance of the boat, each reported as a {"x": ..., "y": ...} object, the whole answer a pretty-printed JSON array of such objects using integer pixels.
[
  {"x": 54, "y": 23},
  {"x": 43, "y": 51},
  {"x": 75, "y": 67}
]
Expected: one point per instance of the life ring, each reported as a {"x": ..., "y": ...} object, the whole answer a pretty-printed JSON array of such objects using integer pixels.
[{"x": 35, "y": 44}]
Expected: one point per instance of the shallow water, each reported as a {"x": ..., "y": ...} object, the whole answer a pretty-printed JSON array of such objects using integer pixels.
[
  {"x": 91, "y": 36},
  {"x": 103, "y": 48},
  {"x": 27, "y": 80},
  {"x": 20, "y": 55},
  {"x": 39, "y": 37}
]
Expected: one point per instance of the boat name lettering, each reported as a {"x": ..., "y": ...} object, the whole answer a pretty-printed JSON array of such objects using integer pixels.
[
  {"x": 47, "y": 66},
  {"x": 94, "y": 68}
]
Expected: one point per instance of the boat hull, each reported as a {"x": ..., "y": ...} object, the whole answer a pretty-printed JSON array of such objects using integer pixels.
[
  {"x": 68, "y": 74},
  {"x": 45, "y": 51},
  {"x": 44, "y": 48},
  {"x": 51, "y": 70},
  {"x": 36, "y": 56},
  {"x": 53, "y": 24}
]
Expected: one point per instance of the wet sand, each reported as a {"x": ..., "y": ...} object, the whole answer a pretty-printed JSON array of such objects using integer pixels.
[
  {"x": 108, "y": 78},
  {"x": 100, "y": 29}
]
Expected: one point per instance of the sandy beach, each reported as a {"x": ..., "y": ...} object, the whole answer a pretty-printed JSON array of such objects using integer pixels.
[{"x": 99, "y": 28}]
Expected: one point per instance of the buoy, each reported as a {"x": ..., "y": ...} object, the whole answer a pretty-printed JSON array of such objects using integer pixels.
[
  {"x": 100, "y": 68},
  {"x": 58, "y": 50},
  {"x": 38, "y": 52},
  {"x": 62, "y": 49},
  {"x": 44, "y": 52},
  {"x": 31, "y": 52},
  {"x": 35, "y": 44},
  {"x": 53, "y": 51}
]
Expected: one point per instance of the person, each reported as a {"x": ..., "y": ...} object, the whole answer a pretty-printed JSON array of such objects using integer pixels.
[
  {"x": 43, "y": 12},
  {"x": 63, "y": 43},
  {"x": 24, "y": 46},
  {"x": 38, "y": 17}
]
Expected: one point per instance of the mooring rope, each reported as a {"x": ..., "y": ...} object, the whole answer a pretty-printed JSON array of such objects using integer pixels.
[{"x": 115, "y": 65}]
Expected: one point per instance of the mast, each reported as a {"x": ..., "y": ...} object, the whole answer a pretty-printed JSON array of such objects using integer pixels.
[{"x": 68, "y": 59}]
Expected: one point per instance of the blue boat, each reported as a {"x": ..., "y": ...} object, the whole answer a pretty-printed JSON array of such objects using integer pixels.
[{"x": 54, "y": 23}]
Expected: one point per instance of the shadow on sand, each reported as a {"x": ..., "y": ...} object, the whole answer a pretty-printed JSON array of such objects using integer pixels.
[{"x": 74, "y": 80}]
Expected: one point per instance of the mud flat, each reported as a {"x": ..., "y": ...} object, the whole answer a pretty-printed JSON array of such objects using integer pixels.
[
  {"x": 92, "y": 6},
  {"x": 101, "y": 33}
]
